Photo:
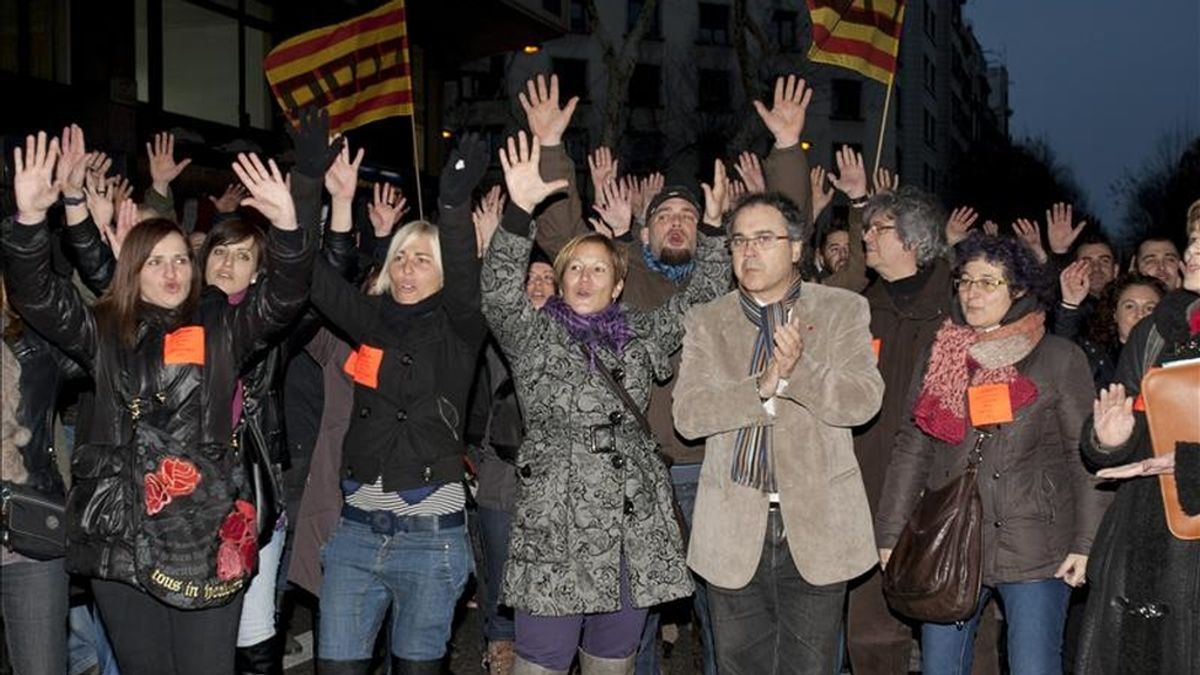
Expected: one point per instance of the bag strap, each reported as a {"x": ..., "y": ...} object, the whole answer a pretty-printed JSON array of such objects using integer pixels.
[{"x": 623, "y": 394}]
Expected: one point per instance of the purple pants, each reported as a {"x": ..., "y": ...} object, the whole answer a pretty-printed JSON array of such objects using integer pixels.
[{"x": 551, "y": 641}]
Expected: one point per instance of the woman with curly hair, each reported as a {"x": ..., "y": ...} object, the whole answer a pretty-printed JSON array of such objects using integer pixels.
[
  {"x": 1040, "y": 506},
  {"x": 1124, "y": 303}
]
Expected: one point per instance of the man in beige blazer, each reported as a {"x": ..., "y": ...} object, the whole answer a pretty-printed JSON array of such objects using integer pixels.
[{"x": 774, "y": 375}]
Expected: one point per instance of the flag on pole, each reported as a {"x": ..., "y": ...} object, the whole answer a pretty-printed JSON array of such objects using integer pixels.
[
  {"x": 357, "y": 70},
  {"x": 862, "y": 35}
]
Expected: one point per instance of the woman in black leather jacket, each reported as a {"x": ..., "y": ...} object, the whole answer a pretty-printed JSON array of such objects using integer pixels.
[{"x": 158, "y": 514}]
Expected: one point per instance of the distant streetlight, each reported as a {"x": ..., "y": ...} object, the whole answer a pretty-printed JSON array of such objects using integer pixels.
[
  {"x": 805, "y": 145},
  {"x": 447, "y": 134},
  {"x": 531, "y": 49}
]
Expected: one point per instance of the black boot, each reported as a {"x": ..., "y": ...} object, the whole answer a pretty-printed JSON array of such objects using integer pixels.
[
  {"x": 405, "y": 667},
  {"x": 263, "y": 658},
  {"x": 327, "y": 667}
]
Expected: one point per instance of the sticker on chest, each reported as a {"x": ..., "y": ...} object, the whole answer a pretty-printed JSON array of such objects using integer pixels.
[{"x": 184, "y": 346}]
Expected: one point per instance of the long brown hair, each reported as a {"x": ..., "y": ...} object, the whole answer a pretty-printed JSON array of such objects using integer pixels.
[{"x": 119, "y": 307}]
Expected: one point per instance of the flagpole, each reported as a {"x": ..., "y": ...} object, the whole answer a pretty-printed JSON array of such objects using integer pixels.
[
  {"x": 887, "y": 100},
  {"x": 417, "y": 162}
]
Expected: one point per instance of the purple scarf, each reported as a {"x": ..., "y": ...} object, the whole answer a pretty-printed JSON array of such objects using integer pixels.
[{"x": 607, "y": 328}]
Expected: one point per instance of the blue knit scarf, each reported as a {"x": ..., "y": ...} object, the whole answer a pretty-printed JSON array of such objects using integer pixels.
[{"x": 676, "y": 273}]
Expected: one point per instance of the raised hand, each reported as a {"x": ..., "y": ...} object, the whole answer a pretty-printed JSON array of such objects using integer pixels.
[
  {"x": 716, "y": 196},
  {"x": 959, "y": 224},
  {"x": 486, "y": 218},
  {"x": 465, "y": 166},
  {"x": 119, "y": 190},
  {"x": 547, "y": 120},
  {"x": 603, "y": 168},
  {"x": 737, "y": 190},
  {"x": 991, "y": 228},
  {"x": 269, "y": 193},
  {"x": 341, "y": 178},
  {"x": 750, "y": 169},
  {"x": 387, "y": 207},
  {"x": 228, "y": 201},
  {"x": 163, "y": 167},
  {"x": 127, "y": 219},
  {"x": 851, "y": 178},
  {"x": 615, "y": 210},
  {"x": 822, "y": 196},
  {"x": 526, "y": 188},
  {"x": 72, "y": 162},
  {"x": 785, "y": 118},
  {"x": 1112, "y": 416},
  {"x": 96, "y": 187},
  {"x": 1059, "y": 229},
  {"x": 886, "y": 180},
  {"x": 1073, "y": 282},
  {"x": 315, "y": 151},
  {"x": 33, "y": 183},
  {"x": 1031, "y": 235},
  {"x": 648, "y": 187}
]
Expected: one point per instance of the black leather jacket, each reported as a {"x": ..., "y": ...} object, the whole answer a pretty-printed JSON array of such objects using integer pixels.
[{"x": 190, "y": 404}]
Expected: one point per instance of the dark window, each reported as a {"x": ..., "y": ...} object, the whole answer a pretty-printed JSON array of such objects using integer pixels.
[
  {"x": 714, "y": 24},
  {"x": 572, "y": 78},
  {"x": 644, "y": 86},
  {"x": 930, "y": 74},
  {"x": 483, "y": 85},
  {"x": 715, "y": 89},
  {"x": 45, "y": 51},
  {"x": 784, "y": 24},
  {"x": 634, "y": 10},
  {"x": 847, "y": 99},
  {"x": 579, "y": 22}
]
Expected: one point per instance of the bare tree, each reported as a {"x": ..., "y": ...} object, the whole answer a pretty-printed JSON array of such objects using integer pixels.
[{"x": 620, "y": 58}]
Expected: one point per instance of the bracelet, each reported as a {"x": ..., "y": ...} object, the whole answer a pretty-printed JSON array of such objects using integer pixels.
[
  {"x": 73, "y": 201},
  {"x": 1067, "y": 305}
]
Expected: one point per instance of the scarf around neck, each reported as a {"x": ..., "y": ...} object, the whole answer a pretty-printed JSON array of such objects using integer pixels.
[
  {"x": 608, "y": 328},
  {"x": 753, "y": 455},
  {"x": 963, "y": 357},
  {"x": 674, "y": 273}
]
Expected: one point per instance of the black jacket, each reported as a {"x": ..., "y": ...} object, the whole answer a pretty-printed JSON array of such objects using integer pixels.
[
  {"x": 409, "y": 427},
  {"x": 187, "y": 407}
]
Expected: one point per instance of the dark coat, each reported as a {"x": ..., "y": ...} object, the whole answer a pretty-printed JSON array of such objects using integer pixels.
[
  {"x": 188, "y": 407},
  {"x": 1143, "y": 614}
]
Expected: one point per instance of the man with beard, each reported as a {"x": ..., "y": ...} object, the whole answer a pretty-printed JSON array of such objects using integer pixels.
[
  {"x": 660, "y": 262},
  {"x": 1159, "y": 258},
  {"x": 1095, "y": 259}
]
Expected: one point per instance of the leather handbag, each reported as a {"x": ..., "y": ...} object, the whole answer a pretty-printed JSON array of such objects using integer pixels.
[
  {"x": 33, "y": 524},
  {"x": 1172, "y": 396},
  {"x": 260, "y": 472},
  {"x": 935, "y": 572}
]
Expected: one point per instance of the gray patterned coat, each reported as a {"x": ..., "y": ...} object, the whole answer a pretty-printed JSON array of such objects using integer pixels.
[{"x": 578, "y": 510}]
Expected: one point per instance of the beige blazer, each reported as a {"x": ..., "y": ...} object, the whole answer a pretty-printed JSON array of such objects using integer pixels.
[{"x": 834, "y": 387}]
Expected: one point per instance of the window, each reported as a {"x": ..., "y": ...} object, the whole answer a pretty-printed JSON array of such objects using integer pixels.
[
  {"x": 715, "y": 87},
  {"x": 634, "y": 10},
  {"x": 644, "y": 86},
  {"x": 784, "y": 25},
  {"x": 930, "y": 130},
  {"x": 572, "y": 78},
  {"x": 474, "y": 85},
  {"x": 847, "y": 100},
  {"x": 714, "y": 24},
  {"x": 199, "y": 62},
  {"x": 579, "y": 21},
  {"x": 930, "y": 74},
  {"x": 35, "y": 39}
]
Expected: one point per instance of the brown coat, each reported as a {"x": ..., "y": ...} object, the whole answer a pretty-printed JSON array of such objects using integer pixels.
[
  {"x": 834, "y": 387},
  {"x": 1039, "y": 502}
]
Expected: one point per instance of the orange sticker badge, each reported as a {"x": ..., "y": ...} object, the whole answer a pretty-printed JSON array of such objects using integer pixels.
[
  {"x": 184, "y": 345},
  {"x": 351, "y": 364},
  {"x": 366, "y": 362},
  {"x": 1139, "y": 404},
  {"x": 989, "y": 404},
  {"x": 876, "y": 346}
]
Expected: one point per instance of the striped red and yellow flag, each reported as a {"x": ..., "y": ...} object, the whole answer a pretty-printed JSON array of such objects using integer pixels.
[
  {"x": 357, "y": 70},
  {"x": 862, "y": 35}
]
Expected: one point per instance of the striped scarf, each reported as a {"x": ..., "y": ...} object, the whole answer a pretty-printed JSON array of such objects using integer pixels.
[{"x": 753, "y": 455}]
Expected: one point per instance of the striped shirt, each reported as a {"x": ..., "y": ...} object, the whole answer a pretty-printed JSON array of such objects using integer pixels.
[{"x": 449, "y": 498}]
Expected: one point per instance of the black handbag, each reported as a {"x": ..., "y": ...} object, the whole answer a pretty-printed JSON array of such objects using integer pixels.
[
  {"x": 260, "y": 472},
  {"x": 31, "y": 523}
]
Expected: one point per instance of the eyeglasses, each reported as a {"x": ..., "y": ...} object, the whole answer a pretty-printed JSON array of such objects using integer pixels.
[
  {"x": 878, "y": 229},
  {"x": 987, "y": 285},
  {"x": 759, "y": 241}
]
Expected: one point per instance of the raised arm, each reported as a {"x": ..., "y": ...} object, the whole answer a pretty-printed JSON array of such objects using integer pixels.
[
  {"x": 464, "y": 167},
  {"x": 560, "y": 217},
  {"x": 852, "y": 181},
  {"x": 786, "y": 167},
  {"x": 47, "y": 302}
]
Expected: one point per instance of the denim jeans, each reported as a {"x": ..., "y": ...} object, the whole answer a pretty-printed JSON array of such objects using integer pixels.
[
  {"x": 418, "y": 575},
  {"x": 258, "y": 608},
  {"x": 33, "y": 601},
  {"x": 1035, "y": 612},
  {"x": 87, "y": 642},
  {"x": 685, "y": 478},
  {"x": 778, "y": 622},
  {"x": 493, "y": 535}
]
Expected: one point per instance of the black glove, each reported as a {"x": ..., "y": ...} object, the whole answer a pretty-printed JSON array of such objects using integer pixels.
[
  {"x": 314, "y": 152},
  {"x": 464, "y": 168}
]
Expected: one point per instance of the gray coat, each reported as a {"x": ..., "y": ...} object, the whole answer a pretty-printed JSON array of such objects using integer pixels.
[{"x": 578, "y": 512}]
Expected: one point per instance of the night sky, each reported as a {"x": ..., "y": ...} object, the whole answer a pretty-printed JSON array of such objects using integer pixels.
[{"x": 1101, "y": 80}]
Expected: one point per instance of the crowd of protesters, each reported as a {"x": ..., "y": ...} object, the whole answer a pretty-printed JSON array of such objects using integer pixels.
[{"x": 716, "y": 400}]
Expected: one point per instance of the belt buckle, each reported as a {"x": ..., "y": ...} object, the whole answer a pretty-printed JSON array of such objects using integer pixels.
[{"x": 383, "y": 522}]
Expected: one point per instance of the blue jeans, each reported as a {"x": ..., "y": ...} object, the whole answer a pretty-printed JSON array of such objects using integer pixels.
[
  {"x": 33, "y": 603},
  {"x": 87, "y": 642},
  {"x": 685, "y": 478},
  {"x": 1035, "y": 612},
  {"x": 493, "y": 535},
  {"x": 418, "y": 575}
]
